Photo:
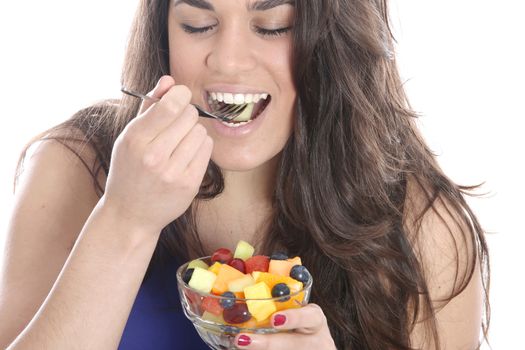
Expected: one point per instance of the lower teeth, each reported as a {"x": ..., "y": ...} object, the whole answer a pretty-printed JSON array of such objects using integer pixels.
[{"x": 236, "y": 125}]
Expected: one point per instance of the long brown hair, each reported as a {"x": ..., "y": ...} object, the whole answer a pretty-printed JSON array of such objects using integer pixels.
[{"x": 342, "y": 183}]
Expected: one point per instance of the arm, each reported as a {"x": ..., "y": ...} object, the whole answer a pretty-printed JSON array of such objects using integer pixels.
[
  {"x": 167, "y": 152},
  {"x": 103, "y": 272},
  {"x": 37, "y": 248},
  {"x": 440, "y": 236}
]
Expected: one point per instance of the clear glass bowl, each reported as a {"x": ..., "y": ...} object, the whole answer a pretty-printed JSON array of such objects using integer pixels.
[{"x": 216, "y": 332}]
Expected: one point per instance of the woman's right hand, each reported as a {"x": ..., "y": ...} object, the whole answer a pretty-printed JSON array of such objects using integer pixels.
[{"x": 159, "y": 160}]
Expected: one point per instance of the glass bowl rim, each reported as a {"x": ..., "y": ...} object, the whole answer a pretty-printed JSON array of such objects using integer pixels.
[{"x": 306, "y": 286}]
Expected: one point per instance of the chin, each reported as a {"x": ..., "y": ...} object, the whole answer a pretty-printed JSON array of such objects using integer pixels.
[
  {"x": 243, "y": 162},
  {"x": 235, "y": 164}
]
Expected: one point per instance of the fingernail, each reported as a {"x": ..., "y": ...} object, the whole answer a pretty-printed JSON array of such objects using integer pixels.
[
  {"x": 244, "y": 340},
  {"x": 279, "y": 320}
]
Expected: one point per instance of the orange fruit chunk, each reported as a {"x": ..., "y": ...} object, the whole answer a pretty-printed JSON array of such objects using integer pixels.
[
  {"x": 271, "y": 280},
  {"x": 294, "y": 302}
]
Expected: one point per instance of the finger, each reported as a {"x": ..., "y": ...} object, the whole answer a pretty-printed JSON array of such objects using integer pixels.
[
  {"x": 163, "y": 85},
  {"x": 162, "y": 146},
  {"x": 279, "y": 341},
  {"x": 163, "y": 113},
  {"x": 198, "y": 165},
  {"x": 308, "y": 319},
  {"x": 186, "y": 150}
]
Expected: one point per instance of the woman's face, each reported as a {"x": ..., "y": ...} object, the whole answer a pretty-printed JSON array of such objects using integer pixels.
[{"x": 237, "y": 51}]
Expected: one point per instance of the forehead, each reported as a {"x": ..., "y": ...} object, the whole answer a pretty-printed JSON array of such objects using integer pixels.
[{"x": 253, "y": 5}]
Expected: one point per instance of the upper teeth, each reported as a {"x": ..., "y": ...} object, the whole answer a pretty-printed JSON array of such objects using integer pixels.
[{"x": 237, "y": 99}]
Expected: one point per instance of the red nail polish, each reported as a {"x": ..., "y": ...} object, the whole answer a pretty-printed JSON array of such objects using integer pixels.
[
  {"x": 244, "y": 340},
  {"x": 279, "y": 320}
]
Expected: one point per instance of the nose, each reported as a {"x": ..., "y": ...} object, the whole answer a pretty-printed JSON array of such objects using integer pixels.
[{"x": 232, "y": 53}]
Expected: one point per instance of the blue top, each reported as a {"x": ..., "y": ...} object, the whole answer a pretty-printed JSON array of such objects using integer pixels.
[{"x": 156, "y": 320}]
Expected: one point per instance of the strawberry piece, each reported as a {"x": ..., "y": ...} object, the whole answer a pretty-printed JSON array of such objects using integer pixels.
[
  {"x": 257, "y": 263},
  {"x": 212, "y": 305}
]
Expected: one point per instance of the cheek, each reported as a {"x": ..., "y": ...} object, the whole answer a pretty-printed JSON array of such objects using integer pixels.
[
  {"x": 278, "y": 59},
  {"x": 184, "y": 59},
  {"x": 181, "y": 68}
]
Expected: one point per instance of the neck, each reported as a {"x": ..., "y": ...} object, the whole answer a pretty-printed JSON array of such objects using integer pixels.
[{"x": 242, "y": 211}]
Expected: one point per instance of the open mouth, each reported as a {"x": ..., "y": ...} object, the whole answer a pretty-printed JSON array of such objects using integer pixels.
[{"x": 254, "y": 104}]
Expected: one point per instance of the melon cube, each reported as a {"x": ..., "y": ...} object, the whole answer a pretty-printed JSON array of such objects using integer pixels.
[
  {"x": 197, "y": 263},
  {"x": 239, "y": 284},
  {"x": 260, "y": 309},
  {"x": 202, "y": 280},
  {"x": 280, "y": 267},
  {"x": 244, "y": 250},
  {"x": 295, "y": 261},
  {"x": 225, "y": 275},
  {"x": 213, "y": 318}
]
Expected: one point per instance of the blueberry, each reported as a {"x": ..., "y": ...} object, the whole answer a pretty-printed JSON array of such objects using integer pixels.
[
  {"x": 229, "y": 302},
  {"x": 279, "y": 256},
  {"x": 186, "y": 277},
  {"x": 300, "y": 273},
  {"x": 281, "y": 290}
]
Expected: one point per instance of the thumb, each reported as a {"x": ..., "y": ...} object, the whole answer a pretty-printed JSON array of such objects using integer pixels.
[{"x": 163, "y": 85}]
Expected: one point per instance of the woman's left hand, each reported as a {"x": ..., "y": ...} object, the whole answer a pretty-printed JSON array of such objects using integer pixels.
[{"x": 308, "y": 326}]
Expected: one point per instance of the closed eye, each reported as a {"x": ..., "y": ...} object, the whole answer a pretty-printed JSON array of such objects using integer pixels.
[
  {"x": 262, "y": 31},
  {"x": 272, "y": 32},
  {"x": 197, "y": 30}
]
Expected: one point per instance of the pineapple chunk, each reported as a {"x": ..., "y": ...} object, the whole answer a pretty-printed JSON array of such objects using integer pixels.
[
  {"x": 260, "y": 309},
  {"x": 215, "y": 267},
  {"x": 255, "y": 275}
]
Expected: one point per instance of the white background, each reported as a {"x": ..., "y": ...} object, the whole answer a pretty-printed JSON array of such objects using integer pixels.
[{"x": 463, "y": 66}]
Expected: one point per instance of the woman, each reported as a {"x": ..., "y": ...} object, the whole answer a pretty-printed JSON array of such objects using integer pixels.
[{"x": 331, "y": 168}]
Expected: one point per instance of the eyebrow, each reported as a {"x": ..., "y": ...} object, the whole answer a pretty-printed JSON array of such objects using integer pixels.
[
  {"x": 259, "y": 5},
  {"x": 263, "y": 5}
]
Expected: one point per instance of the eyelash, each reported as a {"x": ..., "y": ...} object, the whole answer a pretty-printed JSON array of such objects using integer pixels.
[{"x": 261, "y": 31}]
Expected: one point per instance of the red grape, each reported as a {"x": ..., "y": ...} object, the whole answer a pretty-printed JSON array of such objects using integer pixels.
[
  {"x": 238, "y": 264},
  {"x": 237, "y": 314},
  {"x": 222, "y": 255}
]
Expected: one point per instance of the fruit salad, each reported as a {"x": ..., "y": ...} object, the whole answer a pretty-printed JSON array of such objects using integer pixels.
[{"x": 243, "y": 290}]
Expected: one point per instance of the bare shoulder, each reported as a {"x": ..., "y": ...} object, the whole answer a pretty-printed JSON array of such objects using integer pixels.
[
  {"x": 446, "y": 246},
  {"x": 54, "y": 196}
]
